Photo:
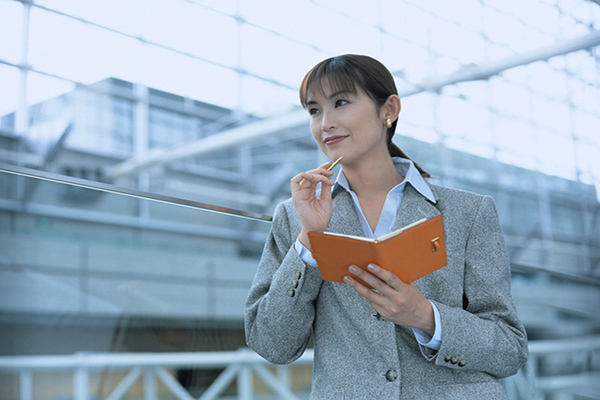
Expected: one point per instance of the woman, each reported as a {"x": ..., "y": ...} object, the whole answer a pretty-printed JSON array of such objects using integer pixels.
[{"x": 450, "y": 335}]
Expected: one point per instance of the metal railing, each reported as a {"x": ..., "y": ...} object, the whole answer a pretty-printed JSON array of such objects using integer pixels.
[
  {"x": 244, "y": 365},
  {"x": 241, "y": 365},
  {"x": 530, "y": 384},
  {"x": 124, "y": 191}
]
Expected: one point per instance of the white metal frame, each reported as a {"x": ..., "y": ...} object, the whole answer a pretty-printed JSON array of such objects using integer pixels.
[
  {"x": 244, "y": 364},
  {"x": 153, "y": 367}
]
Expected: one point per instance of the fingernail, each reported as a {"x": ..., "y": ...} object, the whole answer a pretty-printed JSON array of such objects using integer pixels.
[
  {"x": 352, "y": 269},
  {"x": 347, "y": 279},
  {"x": 371, "y": 267}
]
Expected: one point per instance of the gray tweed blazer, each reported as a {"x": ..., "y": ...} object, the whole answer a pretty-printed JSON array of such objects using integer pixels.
[{"x": 359, "y": 356}]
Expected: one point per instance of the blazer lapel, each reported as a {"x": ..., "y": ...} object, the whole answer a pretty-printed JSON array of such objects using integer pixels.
[
  {"x": 344, "y": 219},
  {"x": 414, "y": 207}
]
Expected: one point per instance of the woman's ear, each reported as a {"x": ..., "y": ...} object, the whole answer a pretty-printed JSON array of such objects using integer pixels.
[{"x": 391, "y": 108}]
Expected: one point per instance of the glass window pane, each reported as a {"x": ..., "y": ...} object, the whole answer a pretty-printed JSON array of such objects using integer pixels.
[
  {"x": 556, "y": 155},
  {"x": 9, "y": 87},
  {"x": 546, "y": 80},
  {"x": 11, "y": 31},
  {"x": 466, "y": 46},
  {"x": 62, "y": 46},
  {"x": 509, "y": 98},
  {"x": 406, "y": 21},
  {"x": 41, "y": 88},
  {"x": 277, "y": 20},
  {"x": 203, "y": 81},
  {"x": 264, "y": 99},
  {"x": 274, "y": 57},
  {"x": 126, "y": 19},
  {"x": 192, "y": 29},
  {"x": 460, "y": 118},
  {"x": 418, "y": 110}
]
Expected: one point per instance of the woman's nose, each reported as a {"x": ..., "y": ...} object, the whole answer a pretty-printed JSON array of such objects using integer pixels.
[{"x": 328, "y": 122}]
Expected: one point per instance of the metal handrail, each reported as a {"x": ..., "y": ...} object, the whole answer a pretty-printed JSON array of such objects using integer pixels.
[
  {"x": 240, "y": 364},
  {"x": 150, "y": 367},
  {"x": 140, "y": 194},
  {"x": 589, "y": 280},
  {"x": 94, "y": 360},
  {"x": 110, "y": 188}
]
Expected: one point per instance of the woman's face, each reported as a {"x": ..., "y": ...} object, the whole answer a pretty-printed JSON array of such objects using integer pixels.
[{"x": 346, "y": 124}]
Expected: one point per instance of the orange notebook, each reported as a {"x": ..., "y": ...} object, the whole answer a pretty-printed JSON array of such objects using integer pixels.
[{"x": 410, "y": 252}]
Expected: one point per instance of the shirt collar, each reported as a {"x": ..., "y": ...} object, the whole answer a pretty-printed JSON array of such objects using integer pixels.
[{"x": 407, "y": 169}]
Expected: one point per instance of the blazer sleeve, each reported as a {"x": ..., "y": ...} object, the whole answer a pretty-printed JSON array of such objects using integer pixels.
[
  {"x": 280, "y": 308},
  {"x": 485, "y": 334}
]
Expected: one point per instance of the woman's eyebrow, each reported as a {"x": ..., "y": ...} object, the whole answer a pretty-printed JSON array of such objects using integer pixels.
[
  {"x": 339, "y": 92},
  {"x": 331, "y": 96}
]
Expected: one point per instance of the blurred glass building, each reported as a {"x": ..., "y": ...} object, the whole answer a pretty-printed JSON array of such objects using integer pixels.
[{"x": 144, "y": 145}]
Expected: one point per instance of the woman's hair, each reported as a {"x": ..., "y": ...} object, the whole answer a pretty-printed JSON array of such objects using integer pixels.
[{"x": 344, "y": 73}]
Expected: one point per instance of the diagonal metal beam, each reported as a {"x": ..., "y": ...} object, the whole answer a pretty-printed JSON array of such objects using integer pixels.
[
  {"x": 258, "y": 130},
  {"x": 231, "y": 137},
  {"x": 486, "y": 70}
]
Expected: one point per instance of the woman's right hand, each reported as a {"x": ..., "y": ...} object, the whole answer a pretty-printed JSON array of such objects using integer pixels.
[{"x": 314, "y": 212}]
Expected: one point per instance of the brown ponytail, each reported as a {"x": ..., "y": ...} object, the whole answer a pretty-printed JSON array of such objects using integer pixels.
[{"x": 396, "y": 151}]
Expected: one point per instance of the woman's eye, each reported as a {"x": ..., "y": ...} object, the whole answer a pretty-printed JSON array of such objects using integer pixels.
[
  {"x": 313, "y": 111},
  {"x": 341, "y": 102}
]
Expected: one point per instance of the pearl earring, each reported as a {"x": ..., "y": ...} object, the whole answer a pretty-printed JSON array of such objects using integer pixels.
[{"x": 388, "y": 123}]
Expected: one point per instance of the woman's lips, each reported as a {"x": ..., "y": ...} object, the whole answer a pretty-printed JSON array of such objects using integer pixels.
[{"x": 331, "y": 140}]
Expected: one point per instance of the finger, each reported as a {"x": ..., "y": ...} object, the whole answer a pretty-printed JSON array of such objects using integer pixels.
[
  {"x": 389, "y": 278},
  {"x": 326, "y": 194},
  {"x": 323, "y": 169},
  {"x": 374, "y": 283},
  {"x": 298, "y": 179},
  {"x": 372, "y": 280},
  {"x": 301, "y": 178},
  {"x": 369, "y": 294},
  {"x": 313, "y": 177},
  {"x": 326, "y": 166}
]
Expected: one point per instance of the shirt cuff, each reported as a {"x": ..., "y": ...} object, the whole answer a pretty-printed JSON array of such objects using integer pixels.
[
  {"x": 304, "y": 253},
  {"x": 424, "y": 339}
]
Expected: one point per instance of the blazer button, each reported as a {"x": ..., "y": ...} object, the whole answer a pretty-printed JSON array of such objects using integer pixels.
[
  {"x": 291, "y": 293},
  {"x": 391, "y": 375},
  {"x": 462, "y": 363},
  {"x": 379, "y": 317},
  {"x": 454, "y": 360},
  {"x": 448, "y": 358},
  {"x": 295, "y": 283},
  {"x": 298, "y": 274}
]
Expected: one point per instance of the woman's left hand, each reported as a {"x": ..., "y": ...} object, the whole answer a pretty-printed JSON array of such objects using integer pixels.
[{"x": 396, "y": 301}]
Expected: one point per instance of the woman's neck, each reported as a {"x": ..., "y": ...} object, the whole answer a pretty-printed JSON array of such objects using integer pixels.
[{"x": 373, "y": 178}]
